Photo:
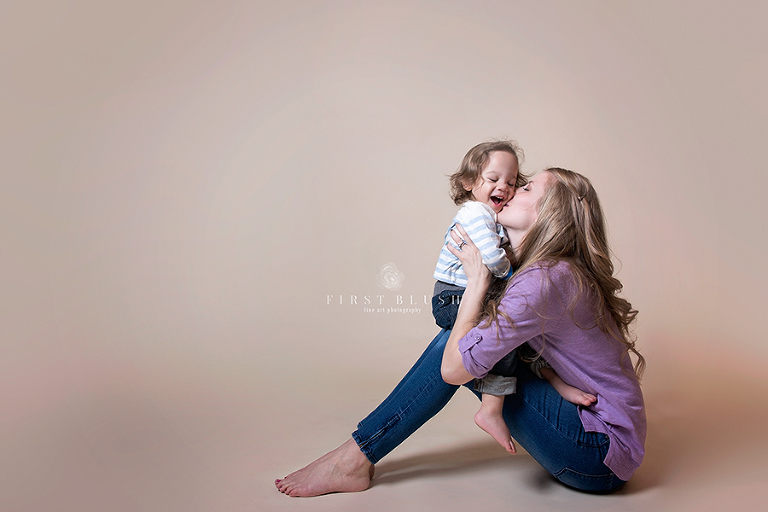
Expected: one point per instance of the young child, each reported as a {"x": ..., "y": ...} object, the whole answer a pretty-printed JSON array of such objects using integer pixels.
[{"x": 484, "y": 183}]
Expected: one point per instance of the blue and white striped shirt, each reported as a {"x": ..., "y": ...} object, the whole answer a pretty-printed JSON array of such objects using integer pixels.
[{"x": 479, "y": 221}]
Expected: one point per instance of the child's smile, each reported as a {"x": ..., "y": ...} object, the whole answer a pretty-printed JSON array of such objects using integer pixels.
[{"x": 496, "y": 183}]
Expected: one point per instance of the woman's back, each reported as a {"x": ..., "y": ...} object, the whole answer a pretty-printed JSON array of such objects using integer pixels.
[{"x": 552, "y": 316}]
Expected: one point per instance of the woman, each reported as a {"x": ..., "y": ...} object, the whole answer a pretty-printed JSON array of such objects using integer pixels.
[{"x": 562, "y": 301}]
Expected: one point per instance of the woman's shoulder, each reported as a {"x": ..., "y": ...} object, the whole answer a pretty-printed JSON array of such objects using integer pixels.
[
  {"x": 553, "y": 270},
  {"x": 546, "y": 276}
]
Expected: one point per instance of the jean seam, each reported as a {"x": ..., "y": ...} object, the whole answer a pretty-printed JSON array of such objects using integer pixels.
[
  {"x": 535, "y": 409},
  {"x": 370, "y": 439},
  {"x": 607, "y": 478},
  {"x": 607, "y": 438},
  {"x": 579, "y": 473},
  {"x": 402, "y": 411},
  {"x": 392, "y": 420}
]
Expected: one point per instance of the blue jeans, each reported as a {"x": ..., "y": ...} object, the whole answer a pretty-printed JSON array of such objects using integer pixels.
[
  {"x": 540, "y": 420},
  {"x": 445, "y": 307}
]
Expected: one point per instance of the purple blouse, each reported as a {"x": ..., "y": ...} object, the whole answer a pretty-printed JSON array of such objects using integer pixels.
[{"x": 583, "y": 356}]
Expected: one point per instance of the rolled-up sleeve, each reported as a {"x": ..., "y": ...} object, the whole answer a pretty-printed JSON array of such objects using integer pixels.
[
  {"x": 530, "y": 299},
  {"x": 473, "y": 366}
]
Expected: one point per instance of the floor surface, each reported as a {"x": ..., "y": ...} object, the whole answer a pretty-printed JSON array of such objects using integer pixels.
[{"x": 214, "y": 434}]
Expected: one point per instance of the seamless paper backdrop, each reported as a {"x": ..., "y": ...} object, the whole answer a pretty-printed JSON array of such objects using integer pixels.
[{"x": 198, "y": 199}]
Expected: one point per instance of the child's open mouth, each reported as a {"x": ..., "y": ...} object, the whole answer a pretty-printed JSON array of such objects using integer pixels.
[{"x": 496, "y": 200}]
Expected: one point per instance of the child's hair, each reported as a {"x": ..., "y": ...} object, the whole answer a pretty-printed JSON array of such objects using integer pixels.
[{"x": 473, "y": 164}]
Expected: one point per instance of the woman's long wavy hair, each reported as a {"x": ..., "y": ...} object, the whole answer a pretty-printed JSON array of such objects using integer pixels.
[{"x": 570, "y": 227}]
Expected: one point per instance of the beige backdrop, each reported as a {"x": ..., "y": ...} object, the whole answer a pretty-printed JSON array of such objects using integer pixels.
[{"x": 193, "y": 195}]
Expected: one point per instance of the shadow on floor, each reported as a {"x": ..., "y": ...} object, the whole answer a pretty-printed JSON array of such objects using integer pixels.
[
  {"x": 459, "y": 459},
  {"x": 697, "y": 424}
]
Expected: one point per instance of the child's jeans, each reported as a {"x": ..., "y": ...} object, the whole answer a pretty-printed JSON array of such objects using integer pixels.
[
  {"x": 445, "y": 304},
  {"x": 445, "y": 307}
]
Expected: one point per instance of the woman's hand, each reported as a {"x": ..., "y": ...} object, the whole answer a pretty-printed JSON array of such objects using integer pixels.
[
  {"x": 478, "y": 280},
  {"x": 470, "y": 257}
]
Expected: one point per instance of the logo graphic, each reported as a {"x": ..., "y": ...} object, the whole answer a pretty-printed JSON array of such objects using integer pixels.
[{"x": 389, "y": 277}]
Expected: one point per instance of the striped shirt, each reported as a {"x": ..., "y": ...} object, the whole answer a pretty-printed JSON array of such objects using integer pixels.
[{"x": 479, "y": 221}]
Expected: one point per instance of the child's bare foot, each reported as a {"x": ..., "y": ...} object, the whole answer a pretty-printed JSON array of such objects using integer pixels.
[
  {"x": 577, "y": 396},
  {"x": 570, "y": 393},
  {"x": 345, "y": 469},
  {"x": 494, "y": 424}
]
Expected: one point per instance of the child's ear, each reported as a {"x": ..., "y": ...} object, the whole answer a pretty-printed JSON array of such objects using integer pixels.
[{"x": 468, "y": 185}]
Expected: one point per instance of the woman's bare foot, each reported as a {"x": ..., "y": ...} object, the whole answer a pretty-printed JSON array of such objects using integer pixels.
[
  {"x": 345, "y": 469},
  {"x": 489, "y": 418}
]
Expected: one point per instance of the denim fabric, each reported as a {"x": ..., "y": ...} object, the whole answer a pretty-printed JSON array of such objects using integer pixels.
[
  {"x": 544, "y": 424},
  {"x": 550, "y": 430},
  {"x": 421, "y": 394},
  {"x": 506, "y": 366},
  {"x": 533, "y": 359},
  {"x": 445, "y": 307}
]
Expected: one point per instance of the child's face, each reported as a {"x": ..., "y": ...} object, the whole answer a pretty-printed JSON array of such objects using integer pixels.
[{"x": 496, "y": 183}]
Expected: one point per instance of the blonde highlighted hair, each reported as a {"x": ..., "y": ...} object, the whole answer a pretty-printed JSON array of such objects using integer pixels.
[{"x": 571, "y": 227}]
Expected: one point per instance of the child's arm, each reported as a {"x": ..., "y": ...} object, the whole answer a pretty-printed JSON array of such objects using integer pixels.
[
  {"x": 570, "y": 393},
  {"x": 480, "y": 225}
]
